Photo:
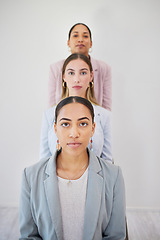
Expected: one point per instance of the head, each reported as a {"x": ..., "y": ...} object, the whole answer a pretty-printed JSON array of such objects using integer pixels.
[
  {"x": 74, "y": 128},
  {"x": 77, "y": 77},
  {"x": 80, "y": 39}
]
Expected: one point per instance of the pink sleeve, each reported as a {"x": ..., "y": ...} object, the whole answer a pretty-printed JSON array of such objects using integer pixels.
[
  {"x": 107, "y": 89},
  {"x": 51, "y": 87}
]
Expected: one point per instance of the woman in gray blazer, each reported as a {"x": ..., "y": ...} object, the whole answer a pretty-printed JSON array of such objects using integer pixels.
[
  {"x": 77, "y": 80},
  {"x": 73, "y": 195}
]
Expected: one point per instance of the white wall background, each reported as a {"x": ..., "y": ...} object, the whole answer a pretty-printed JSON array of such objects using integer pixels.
[{"x": 126, "y": 35}]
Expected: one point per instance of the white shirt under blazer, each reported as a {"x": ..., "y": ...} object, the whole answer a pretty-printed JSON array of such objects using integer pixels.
[
  {"x": 40, "y": 211},
  {"x": 102, "y": 146}
]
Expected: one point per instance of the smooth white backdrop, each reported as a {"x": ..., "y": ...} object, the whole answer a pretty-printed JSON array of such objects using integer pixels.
[{"x": 126, "y": 35}]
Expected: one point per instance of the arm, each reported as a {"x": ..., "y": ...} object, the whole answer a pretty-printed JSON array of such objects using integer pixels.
[
  {"x": 107, "y": 129},
  {"x": 107, "y": 88},
  {"x": 28, "y": 228},
  {"x": 116, "y": 228},
  {"x": 44, "y": 146}
]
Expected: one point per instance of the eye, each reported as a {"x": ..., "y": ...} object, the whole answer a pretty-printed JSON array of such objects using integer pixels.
[
  {"x": 83, "y": 73},
  {"x": 65, "y": 124},
  {"x": 83, "y": 124},
  {"x": 71, "y": 73},
  {"x": 85, "y": 36},
  {"x": 75, "y": 35}
]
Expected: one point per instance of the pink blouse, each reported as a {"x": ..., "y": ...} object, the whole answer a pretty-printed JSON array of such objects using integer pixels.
[{"x": 102, "y": 83}]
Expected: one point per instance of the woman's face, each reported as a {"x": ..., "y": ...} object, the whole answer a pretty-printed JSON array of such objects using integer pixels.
[
  {"x": 80, "y": 41},
  {"x": 77, "y": 77},
  {"x": 74, "y": 128}
]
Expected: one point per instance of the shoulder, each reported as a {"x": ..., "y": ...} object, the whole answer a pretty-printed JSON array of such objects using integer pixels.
[
  {"x": 109, "y": 168},
  {"x": 98, "y": 110},
  {"x": 108, "y": 171},
  {"x": 50, "y": 114},
  {"x": 57, "y": 66},
  {"x": 99, "y": 64},
  {"x": 112, "y": 174},
  {"x": 33, "y": 172},
  {"x": 50, "y": 111}
]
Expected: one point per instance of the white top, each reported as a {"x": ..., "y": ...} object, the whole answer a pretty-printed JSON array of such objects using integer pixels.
[{"x": 72, "y": 200}]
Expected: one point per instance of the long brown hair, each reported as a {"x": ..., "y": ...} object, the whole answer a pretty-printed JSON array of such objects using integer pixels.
[{"x": 90, "y": 90}]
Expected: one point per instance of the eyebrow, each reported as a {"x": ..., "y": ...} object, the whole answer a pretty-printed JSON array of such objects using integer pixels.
[
  {"x": 83, "y": 118},
  {"x": 70, "y": 69},
  {"x": 78, "y": 32},
  {"x": 82, "y": 69},
  {"x": 67, "y": 119}
]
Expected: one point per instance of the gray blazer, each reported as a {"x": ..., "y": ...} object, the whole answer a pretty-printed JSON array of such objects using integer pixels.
[{"x": 40, "y": 213}]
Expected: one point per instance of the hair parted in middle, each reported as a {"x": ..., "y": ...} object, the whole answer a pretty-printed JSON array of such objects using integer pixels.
[
  {"x": 70, "y": 31},
  {"x": 90, "y": 95},
  {"x": 74, "y": 99}
]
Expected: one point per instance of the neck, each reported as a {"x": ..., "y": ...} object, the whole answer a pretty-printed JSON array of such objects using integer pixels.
[
  {"x": 71, "y": 167},
  {"x": 70, "y": 162},
  {"x": 80, "y": 95},
  {"x": 86, "y": 54}
]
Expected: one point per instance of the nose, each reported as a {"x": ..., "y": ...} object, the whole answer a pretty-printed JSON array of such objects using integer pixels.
[
  {"x": 76, "y": 78},
  {"x": 74, "y": 133},
  {"x": 80, "y": 39}
]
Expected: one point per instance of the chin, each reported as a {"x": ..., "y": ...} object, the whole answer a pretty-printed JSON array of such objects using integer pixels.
[
  {"x": 76, "y": 151},
  {"x": 81, "y": 51}
]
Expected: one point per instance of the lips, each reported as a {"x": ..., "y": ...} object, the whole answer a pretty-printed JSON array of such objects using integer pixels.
[
  {"x": 74, "y": 144},
  {"x": 77, "y": 87},
  {"x": 80, "y": 45}
]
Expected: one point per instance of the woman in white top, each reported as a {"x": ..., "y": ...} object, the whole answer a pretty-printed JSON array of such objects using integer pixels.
[
  {"x": 77, "y": 80},
  {"x": 73, "y": 195}
]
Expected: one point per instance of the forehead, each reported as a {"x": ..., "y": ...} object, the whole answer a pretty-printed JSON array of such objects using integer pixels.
[
  {"x": 74, "y": 111},
  {"x": 78, "y": 64},
  {"x": 80, "y": 28}
]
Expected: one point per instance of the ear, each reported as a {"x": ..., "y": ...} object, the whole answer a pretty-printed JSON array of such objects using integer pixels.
[
  {"x": 63, "y": 77},
  {"x": 91, "y": 44},
  {"x": 93, "y": 128},
  {"x": 55, "y": 128},
  {"x": 91, "y": 78},
  {"x": 68, "y": 43}
]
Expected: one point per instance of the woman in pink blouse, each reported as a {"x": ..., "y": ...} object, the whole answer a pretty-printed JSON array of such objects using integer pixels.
[{"x": 80, "y": 41}]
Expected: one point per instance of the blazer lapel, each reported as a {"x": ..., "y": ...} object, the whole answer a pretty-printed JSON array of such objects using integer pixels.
[
  {"x": 93, "y": 198},
  {"x": 52, "y": 196}
]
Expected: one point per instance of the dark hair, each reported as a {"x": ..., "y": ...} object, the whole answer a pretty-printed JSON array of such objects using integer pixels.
[
  {"x": 69, "y": 34},
  {"x": 90, "y": 91},
  {"x": 74, "y": 99}
]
